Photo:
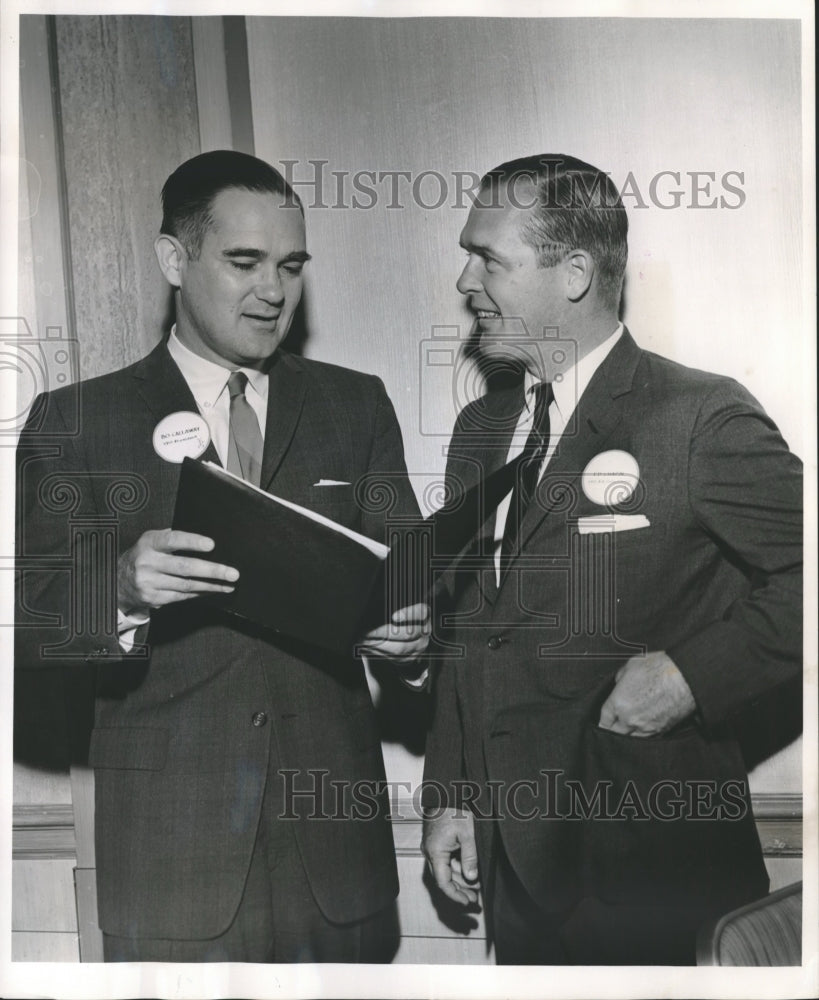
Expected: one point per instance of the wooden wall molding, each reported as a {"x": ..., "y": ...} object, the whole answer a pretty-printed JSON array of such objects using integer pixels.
[
  {"x": 43, "y": 832},
  {"x": 778, "y": 819},
  {"x": 779, "y": 822},
  {"x": 46, "y": 832}
]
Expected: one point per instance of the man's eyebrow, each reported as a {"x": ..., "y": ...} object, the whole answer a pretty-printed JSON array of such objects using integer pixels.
[
  {"x": 245, "y": 252},
  {"x": 479, "y": 248},
  {"x": 300, "y": 256}
]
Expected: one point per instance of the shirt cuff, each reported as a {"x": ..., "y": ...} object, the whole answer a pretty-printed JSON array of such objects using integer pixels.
[
  {"x": 417, "y": 683},
  {"x": 127, "y": 626}
]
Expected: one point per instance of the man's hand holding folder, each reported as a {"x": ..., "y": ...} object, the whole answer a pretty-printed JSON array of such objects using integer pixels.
[
  {"x": 154, "y": 572},
  {"x": 403, "y": 639}
]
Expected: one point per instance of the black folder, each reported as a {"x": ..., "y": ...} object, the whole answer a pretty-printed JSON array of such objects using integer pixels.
[{"x": 315, "y": 580}]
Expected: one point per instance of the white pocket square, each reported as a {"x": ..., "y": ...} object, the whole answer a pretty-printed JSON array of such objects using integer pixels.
[
  {"x": 332, "y": 482},
  {"x": 599, "y": 523}
]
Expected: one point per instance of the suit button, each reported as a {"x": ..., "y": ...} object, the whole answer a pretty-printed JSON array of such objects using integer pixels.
[
  {"x": 494, "y": 642},
  {"x": 100, "y": 651},
  {"x": 259, "y": 719}
]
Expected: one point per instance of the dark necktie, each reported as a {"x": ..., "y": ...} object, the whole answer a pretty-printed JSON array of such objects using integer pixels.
[
  {"x": 529, "y": 463},
  {"x": 245, "y": 439}
]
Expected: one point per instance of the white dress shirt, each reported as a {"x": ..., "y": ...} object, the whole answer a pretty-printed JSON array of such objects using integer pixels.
[
  {"x": 207, "y": 382},
  {"x": 567, "y": 392}
]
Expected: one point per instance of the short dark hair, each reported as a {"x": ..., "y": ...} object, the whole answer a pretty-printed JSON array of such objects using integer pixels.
[
  {"x": 576, "y": 206},
  {"x": 188, "y": 194}
]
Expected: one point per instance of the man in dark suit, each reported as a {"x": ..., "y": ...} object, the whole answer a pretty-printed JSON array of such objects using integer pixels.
[
  {"x": 225, "y": 755},
  {"x": 638, "y": 591}
]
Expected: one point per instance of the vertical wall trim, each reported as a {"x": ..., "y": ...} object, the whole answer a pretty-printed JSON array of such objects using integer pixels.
[
  {"x": 238, "y": 81},
  {"x": 210, "y": 70},
  {"x": 62, "y": 180},
  {"x": 222, "y": 83},
  {"x": 47, "y": 272}
]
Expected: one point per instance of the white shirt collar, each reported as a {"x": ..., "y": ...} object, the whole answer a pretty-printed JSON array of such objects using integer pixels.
[
  {"x": 207, "y": 379},
  {"x": 570, "y": 388}
]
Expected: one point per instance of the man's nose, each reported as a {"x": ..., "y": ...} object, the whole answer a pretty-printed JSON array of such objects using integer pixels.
[
  {"x": 270, "y": 288},
  {"x": 469, "y": 280}
]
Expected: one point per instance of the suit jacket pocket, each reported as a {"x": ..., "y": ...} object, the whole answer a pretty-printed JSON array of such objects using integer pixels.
[
  {"x": 667, "y": 820},
  {"x": 318, "y": 496},
  {"x": 129, "y": 748},
  {"x": 336, "y": 502}
]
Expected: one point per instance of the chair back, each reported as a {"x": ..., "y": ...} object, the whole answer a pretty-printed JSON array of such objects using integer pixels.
[{"x": 767, "y": 932}]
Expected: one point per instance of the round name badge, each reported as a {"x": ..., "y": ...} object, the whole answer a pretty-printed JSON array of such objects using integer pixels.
[
  {"x": 180, "y": 435},
  {"x": 610, "y": 477}
]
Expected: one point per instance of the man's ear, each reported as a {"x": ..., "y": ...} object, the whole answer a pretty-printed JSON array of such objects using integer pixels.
[
  {"x": 172, "y": 257},
  {"x": 579, "y": 273}
]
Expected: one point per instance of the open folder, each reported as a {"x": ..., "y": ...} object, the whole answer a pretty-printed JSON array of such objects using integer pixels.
[{"x": 314, "y": 579}]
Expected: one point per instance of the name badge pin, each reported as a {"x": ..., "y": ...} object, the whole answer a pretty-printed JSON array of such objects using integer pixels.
[
  {"x": 610, "y": 477},
  {"x": 181, "y": 435}
]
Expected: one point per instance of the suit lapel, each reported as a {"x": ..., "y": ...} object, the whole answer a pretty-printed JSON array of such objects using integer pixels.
[
  {"x": 286, "y": 392},
  {"x": 598, "y": 412},
  {"x": 164, "y": 390},
  {"x": 487, "y": 434}
]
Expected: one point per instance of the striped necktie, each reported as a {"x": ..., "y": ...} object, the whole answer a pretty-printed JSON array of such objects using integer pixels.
[{"x": 529, "y": 463}]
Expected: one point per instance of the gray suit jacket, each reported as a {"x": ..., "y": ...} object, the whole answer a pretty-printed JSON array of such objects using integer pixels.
[
  {"x": 179, "y": 752},
  {"x": 714, "y": 579}
]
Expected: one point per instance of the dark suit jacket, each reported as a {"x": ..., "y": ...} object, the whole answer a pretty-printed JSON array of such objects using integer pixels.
[
  {"x": 714, "y": 580},
  {"x": 179, "y": 752}
]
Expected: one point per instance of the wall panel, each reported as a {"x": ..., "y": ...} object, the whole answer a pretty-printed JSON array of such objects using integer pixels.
[
  {"x": 27, "y": 947},
  {"x": 129, "y": 117}
]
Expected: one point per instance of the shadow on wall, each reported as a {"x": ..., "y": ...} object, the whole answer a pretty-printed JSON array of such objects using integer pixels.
[
  {"x": 404, "y": 716},
  {"x": 53, "y": 716},
  {"x": 461, "y": 920},
  {"x": 299, "y": 332}
]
